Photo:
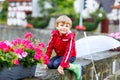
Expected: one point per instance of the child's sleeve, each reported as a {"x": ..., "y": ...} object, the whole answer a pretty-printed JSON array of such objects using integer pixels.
[{"x": 66, "y": 57}]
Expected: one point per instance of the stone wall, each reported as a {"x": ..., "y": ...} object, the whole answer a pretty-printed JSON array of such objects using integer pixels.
[
  {"x": 107, "y": 68},
  {"x": 10, "y": 33},
  {"x": 107, "y": 63},
  {"x": 52, "y": 74}
]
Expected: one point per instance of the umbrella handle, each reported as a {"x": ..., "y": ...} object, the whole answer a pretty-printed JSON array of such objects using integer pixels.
[{"x": 96, "y": 75}]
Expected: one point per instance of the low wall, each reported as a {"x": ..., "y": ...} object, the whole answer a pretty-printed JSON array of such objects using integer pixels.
[
  {"x": 10, "y": 33},
  {"x": 107, "y": 65},
  {"x": 104, "y": 62}
]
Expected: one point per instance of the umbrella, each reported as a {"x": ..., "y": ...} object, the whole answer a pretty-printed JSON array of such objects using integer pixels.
[{"x": 93, "y": 44}]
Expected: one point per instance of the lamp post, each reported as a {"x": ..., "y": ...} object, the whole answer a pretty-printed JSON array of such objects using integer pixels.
[
  {"x": 81, "y": 9},
  {"x": 79, "y": 5}
]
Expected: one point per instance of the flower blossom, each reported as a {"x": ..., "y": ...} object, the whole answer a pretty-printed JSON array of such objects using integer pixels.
[
  {"x": 115, "y": 35},
  {"x": 4, "y": 47},
  {"x": 30, "y": 46},
  {"x": 24, "y": 54},
  {"x": 41, "y": 45},
  {"x": 16, "y": 41},
  {"x": 38, "y": 56},
  {"x": 46, "y": 59},
  {"x": 16, "y": 61},
  {"x": 19, "y": 50},
  {"x": 25, "y": 42},
  {"x": 28, "y": 35}
]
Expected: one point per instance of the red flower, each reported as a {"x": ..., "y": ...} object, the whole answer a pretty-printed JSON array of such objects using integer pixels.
[
  {"x": 29, "y": 25},
  {"x": 46, "y": 59},
  {"x": 16, "y": 61},
  {"x": 41, "y": 45},
  {"x": 38, "y": 56},
  {"x": 80, "y": 27},
  {"x": 28, "y": 35}
]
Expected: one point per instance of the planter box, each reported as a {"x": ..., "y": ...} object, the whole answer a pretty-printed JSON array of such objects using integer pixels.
[
  {"x": 17, "y": 72},
  {"x": 33, "y": 73}
]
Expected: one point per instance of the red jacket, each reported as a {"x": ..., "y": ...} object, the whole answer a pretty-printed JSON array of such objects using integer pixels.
[{"x": 63, "y": 46}]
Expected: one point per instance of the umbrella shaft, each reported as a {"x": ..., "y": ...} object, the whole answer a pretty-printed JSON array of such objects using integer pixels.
[{"x": 94, "y": 68}]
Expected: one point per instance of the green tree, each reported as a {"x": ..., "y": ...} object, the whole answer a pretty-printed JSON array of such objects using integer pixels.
[
  {"x": 58, "y": 7},
  {"x": 3, "y": 13}
]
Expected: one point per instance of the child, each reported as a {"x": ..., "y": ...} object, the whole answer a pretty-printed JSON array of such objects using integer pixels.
[{"x": 63, "y": 43}]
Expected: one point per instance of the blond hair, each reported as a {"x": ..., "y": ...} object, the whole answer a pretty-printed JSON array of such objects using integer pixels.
[{"x": 64, "y": 19}]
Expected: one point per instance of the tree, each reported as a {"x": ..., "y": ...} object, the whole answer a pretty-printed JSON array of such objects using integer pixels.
[
  {"x": 3, "y": 13},
  {"x": 57, "y": 7}
]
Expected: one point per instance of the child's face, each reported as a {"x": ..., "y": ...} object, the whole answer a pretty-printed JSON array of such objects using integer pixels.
[{"x": 63, "y": 28}]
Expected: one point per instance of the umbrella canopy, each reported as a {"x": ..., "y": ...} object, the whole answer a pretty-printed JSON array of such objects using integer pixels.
[{"x": 93, "y": 44}]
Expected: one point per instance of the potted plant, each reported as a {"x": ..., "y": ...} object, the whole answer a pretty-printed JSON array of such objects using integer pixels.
[
  {"x": 19, "y": 57},
  {"x": 95, "y": 18},
  {"x": 38, "y": 22}
]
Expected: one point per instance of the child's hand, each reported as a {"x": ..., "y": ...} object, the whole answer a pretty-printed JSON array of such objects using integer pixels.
[
  {"x": 60, "y": 70},
  {"x": 45, "y": 66}
]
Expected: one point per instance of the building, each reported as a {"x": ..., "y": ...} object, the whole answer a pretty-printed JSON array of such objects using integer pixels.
[{"x": 17, "y": 12}]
